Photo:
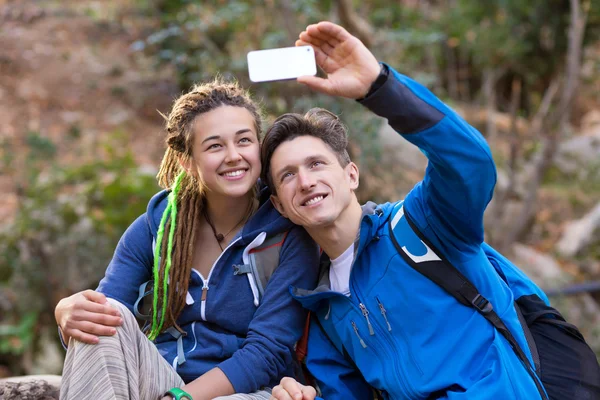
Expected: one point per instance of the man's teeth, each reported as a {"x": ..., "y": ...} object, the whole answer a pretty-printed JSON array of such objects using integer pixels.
[
  {"x": 234, "y": 173},
  {"x": 314, "y": 200}
]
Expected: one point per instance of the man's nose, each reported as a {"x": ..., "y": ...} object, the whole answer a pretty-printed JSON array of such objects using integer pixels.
[{"x": 305, "y": 180}]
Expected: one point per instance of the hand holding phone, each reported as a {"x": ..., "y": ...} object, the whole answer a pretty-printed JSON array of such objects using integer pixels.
[{"x": 280, "y": 64}]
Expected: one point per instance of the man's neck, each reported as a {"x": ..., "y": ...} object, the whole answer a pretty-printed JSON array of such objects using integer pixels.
[{"x": 335, "y": 238}]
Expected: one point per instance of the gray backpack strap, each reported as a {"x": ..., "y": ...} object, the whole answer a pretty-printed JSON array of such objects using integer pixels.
[
  {"x": 264, "y": 260},
  {"x": 142, "y": 307}
]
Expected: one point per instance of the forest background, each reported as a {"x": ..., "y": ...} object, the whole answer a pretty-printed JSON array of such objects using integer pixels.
[{"x": 81, "y": 84}]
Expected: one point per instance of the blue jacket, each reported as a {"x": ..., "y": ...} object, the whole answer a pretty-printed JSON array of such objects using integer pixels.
[
  {"x": 407, "y": 336},
  {"x": 252, "y": 345}
]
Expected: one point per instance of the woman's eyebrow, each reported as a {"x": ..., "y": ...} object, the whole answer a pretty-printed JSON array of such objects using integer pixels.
[{"x": 241, "y": 131}]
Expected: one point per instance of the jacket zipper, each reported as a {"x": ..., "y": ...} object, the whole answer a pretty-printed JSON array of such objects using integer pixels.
[
  {"x": 365, "y": 314},
  {"x": 362, "y": 342},
  {"x": 383, "y": 312},
  {"x": 207, "y": 280},
  {"x": 398, "y": 372}
]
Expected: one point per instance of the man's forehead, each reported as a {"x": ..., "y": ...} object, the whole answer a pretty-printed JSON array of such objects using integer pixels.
[{"x": 300, "y": 149}]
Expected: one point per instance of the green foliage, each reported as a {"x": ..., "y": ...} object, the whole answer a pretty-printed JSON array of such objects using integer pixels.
[
  {"x": 15, "y": 339},
  {"x": 65, "y": 229}
]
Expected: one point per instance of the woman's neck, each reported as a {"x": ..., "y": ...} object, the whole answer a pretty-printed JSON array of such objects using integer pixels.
[{"x": 228, "y": 213}]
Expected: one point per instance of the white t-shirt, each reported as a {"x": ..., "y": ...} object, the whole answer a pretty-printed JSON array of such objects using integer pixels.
[{"x": 339, "y": 273}]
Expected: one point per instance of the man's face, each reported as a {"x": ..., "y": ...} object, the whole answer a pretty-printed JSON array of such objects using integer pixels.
[{"x": 313, "y": 189}]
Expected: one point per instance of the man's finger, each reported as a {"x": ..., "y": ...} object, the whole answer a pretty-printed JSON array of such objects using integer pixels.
[
  {"x": 315, "y": 83},
  {"x": 330, "y": 30},
  {"x": 333, "y": 37},
  {"x": 292, "y": 387},
  {"x": 279, "y": 393},
  {"x": 323, "y": 42},
  {"x": 309, "y": 393},
  {"x": 320, "y": 57},
  {"x": 313, "y": 40}
]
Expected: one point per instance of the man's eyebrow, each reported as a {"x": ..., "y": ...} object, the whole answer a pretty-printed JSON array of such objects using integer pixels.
[
  {"x": 241, "y": 131},
  {"x": 307, "y": 160}
]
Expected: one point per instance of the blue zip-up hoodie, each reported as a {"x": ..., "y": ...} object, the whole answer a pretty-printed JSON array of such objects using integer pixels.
[
  {"x": 252, "y": 345},
  {"x": 402, "y": 333}
]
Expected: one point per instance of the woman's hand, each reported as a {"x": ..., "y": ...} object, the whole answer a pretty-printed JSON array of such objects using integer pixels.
[
  {"x": 86, "y": 315},
  {"x": 351, "y": 68},
  {"x": 291, "y": 389}
]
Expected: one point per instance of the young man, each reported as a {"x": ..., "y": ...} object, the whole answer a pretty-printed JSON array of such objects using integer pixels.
[{"x": 377, "y": 321}]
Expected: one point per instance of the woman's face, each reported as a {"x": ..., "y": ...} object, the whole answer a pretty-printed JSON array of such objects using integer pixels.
[{"x": 226, "y": 152}]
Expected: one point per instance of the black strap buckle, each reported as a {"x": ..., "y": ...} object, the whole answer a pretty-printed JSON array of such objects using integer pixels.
[{"x": 482, "y": 304}]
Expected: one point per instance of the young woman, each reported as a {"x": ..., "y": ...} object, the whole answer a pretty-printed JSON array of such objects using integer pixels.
[{"x": 208, "y": 332}]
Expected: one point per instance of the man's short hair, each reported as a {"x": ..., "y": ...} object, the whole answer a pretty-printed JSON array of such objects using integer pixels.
[{"x": 317, "y": 122}]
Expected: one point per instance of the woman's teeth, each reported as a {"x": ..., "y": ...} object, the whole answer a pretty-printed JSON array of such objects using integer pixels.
[{"x": 234, "y": 173}]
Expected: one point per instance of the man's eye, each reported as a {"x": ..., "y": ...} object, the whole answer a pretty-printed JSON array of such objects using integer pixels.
[
  {"x": 286, "y": 175},
  {"x": 316, "y": 164}
]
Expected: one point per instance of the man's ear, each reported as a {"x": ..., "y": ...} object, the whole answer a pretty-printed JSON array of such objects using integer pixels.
[
  {"x": 278, "y": 206},
  {"x": 353, "y": 175}
]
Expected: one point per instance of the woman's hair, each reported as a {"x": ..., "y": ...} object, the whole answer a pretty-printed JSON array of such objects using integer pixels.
[{"x": 176, "y": 237}]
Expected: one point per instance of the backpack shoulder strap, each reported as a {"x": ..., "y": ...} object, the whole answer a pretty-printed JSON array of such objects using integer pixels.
[
  {"x": 264, "y": 260},
  {"x": 438, "y": 269}
]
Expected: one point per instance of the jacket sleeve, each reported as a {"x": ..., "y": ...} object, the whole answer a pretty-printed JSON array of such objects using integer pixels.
[
  {"x": 279, "y": 320},
  {"x": 131, "y": 264},
  {"x": 336, "y": 377},
  {"x": 461, "y": 175}
]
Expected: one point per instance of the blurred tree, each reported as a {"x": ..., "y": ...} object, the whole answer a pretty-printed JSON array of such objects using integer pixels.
[{"x": 66, "y": 227}]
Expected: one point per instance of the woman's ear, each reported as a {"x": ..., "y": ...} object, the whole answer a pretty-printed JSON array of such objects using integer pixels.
[
  {"x": 187, "y": 164},
  {"x": 353, "y": 175}
]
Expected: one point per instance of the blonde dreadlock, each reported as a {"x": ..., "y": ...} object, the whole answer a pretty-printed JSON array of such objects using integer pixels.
[{"x": 176, "y": 236}]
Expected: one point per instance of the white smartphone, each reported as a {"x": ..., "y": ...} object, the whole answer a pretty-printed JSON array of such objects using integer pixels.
[{"x": 282, "y": 63}]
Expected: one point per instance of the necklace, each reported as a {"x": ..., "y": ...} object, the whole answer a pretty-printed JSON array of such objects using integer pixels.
[{"x": 219, "y": 236}]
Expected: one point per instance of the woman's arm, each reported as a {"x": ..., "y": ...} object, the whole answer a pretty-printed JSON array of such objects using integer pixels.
[{"x": 277, "y": 324}]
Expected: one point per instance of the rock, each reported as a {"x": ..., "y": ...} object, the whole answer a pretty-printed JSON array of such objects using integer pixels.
[
  {"x": 578, "y": 153},
  {"x": 405, "y": 153},
  {"x": 590, "y": 122},
  {"x": 32, "y": 387},
  {"x": 543, "y": 269},
  {"x": 578, "y": 234}
]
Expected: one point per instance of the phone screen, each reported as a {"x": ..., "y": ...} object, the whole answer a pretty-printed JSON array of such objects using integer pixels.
[{"x": 282, "y": 63}]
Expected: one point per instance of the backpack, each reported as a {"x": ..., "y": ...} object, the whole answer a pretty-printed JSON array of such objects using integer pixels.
[{"x": 563, "y": 362}]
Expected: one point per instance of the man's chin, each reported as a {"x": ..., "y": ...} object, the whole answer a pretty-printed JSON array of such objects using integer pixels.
[{"x": 319, "y": 223}]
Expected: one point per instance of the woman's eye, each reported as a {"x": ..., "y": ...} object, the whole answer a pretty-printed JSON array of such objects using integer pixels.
[
  {"x": 213, "y": 146},
  {"x": 245, "y": 140}
]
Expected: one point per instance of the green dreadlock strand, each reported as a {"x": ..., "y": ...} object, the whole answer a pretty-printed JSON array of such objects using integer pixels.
[{"x": 170, "y": 211}]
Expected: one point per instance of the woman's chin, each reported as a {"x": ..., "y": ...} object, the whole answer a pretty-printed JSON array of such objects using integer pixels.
[{"x": 233, "y": 192}]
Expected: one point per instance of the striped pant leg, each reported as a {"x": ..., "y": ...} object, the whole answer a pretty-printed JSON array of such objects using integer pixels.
[
  {"x": 264, "y": 394},
  {"x": 124, "y": 366}
]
